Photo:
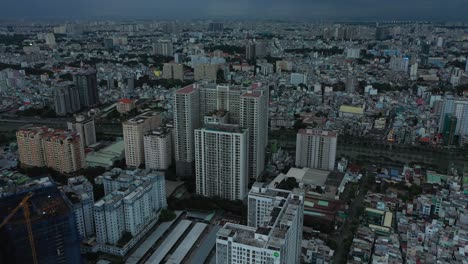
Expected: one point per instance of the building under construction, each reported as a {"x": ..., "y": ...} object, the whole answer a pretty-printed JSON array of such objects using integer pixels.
[{"x": 53, "y": 236}]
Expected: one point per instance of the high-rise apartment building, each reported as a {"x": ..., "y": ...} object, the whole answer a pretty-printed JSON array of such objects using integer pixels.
[
  {"x": 66, "y": 99},
  {"x": 158, "y": 148},
  {"x": 399, "y": 64},
  {"x": 79, "y": 192},
  {"x": 53, "y": 148},
  {"x": 247, "y": 107},
  {"x": 459, "y": 110},
  {"x": 316, "y": 149},
  {"x": 275, "y": 239},
  {"x": 173, "y": 71},
  {"x": 186, "y": 120},
  {"x": 86, "y": 83},
  {"x": 125, "y": 105},
  {"x": 216, "y": 27},
  {"x": 131, "y": 205},
  {"x": 254, "y": 117},
  {"x": 85, "y": 128},
  {"x": 134, "y": 130},
  {"x": 164, "y": 48},
  {"x": 221, "y": 161}
]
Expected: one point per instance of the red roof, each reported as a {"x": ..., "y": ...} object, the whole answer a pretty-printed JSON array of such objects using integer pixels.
[
  {"x": 186, "y": 89},
  {"x": 126, "y": 101}
]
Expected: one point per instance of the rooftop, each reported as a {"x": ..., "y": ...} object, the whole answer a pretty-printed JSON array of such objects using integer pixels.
[
  {"x": 186, "y": 90},
  {"x": 317, "y": 132}
]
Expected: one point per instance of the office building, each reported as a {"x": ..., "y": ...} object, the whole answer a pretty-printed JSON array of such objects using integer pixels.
[
  {"x": 158, "y": 148},
  {"x": 79, "y": 192},
  {"x": 163, "y": 48},
  {"x": 53, "y": 226},
  {"x": 66, "y": 99},
  {"x": 86, "y": 83},
  {"x": 173, "y": 71},
  {"x": 186, "y": 120},
  {"x": 261, "y": 49},
  {"x": 277, "y": 237},
  {"x": 221, "y": 157},
  {"x": 85, "y": 128},
  {"x": 316, "y": 149},
  {"x": 133, "y": 131},
  {"x": 53, "y": 148},
  {"x": 130, "y": 207},
  {"x": 125, "y": 105}
]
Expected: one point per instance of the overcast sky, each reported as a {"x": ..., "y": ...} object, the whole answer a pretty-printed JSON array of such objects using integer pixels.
[{"x": 281, "y": 9}]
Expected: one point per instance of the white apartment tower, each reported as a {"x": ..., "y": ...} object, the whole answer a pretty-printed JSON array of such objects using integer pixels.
[
  {"x": 316, "y": 149},
  {"x": 246, "y": 107},
  {"x": 276, "y": 240},
  {"x": 79, "y": 192},
  {"x": 221, "y": 158},
  {"x": 132, "y": 204},
  {"x": 158, "y": 148},
  {"x": 186, "y": 120},
  {"x": 133, "y": 131},
  {"x": 85, "y": 128},
  {"x": 254, "y": 116}
]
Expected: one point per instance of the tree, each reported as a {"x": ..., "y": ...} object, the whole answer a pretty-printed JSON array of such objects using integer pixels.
[{"x": 167, "y": 215}]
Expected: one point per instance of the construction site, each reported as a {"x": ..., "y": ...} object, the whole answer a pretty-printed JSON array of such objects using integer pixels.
[{"x": 37, "y": 223}]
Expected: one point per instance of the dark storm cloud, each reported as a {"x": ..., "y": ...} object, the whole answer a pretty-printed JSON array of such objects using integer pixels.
[{"x": 313, "y": 9}]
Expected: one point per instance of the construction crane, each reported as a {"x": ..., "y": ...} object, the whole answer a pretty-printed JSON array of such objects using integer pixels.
[{"x": 24, "y": 204}]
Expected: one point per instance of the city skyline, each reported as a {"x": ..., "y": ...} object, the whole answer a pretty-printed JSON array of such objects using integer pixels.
[{"x": 450, "y": 10}]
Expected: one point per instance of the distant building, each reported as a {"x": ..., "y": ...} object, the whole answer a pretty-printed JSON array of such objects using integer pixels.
[
  {"x": 173, "y": 71},
  {"x": 215, "y": 27},
  {"x": 351, "y": 84},
  {"x": 125, "y": 105},
  {"x": 353, "y": 53},
  {"x": 158, "y": 148},
  {"x": 250, "y": 51},
  {"x": 67, "y": 100},
  {"x": 382, "y": 33},
  {"x": 53, "y": 148},
  {"x": 298, "y": 78},
  {"x": 206, "y": 71},
  {"x": 399, "y": 64},
  {"x": 85, "y": 128},
  {"x": 277, "y": 237},
  {"x": 134, "y": 130},
  {"x": 86, "y": 83},
  {"x": 108, "y": 43},
  {"x": 316, "y": 149},
  {"x": 414, "y": 72},
  {"x": 221, "y": 161},
  {"x": 164, "y": 48},
  {"x": 459, "y": 110}
]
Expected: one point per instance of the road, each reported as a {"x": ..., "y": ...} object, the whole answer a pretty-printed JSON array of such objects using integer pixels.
[{"x": 346, "y": 232}]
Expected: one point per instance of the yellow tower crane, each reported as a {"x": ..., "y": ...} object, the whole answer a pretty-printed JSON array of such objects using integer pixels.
[{"x": 24, "y": 204}]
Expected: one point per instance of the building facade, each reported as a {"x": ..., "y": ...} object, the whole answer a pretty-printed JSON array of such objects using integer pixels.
[
  {"x": 221, "y": 156},
  {"x": 66, "y": 99},
  {"x": 85, "y": 128},
  {"x": 86, "y": 83},
  {"x": 134, "y": 130},
  {"x": 277, "y": 239},
  {"x": 53, "y": 148},
  {"x": 316, "y": 149},
  {"x": 158, "y": 148}
]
